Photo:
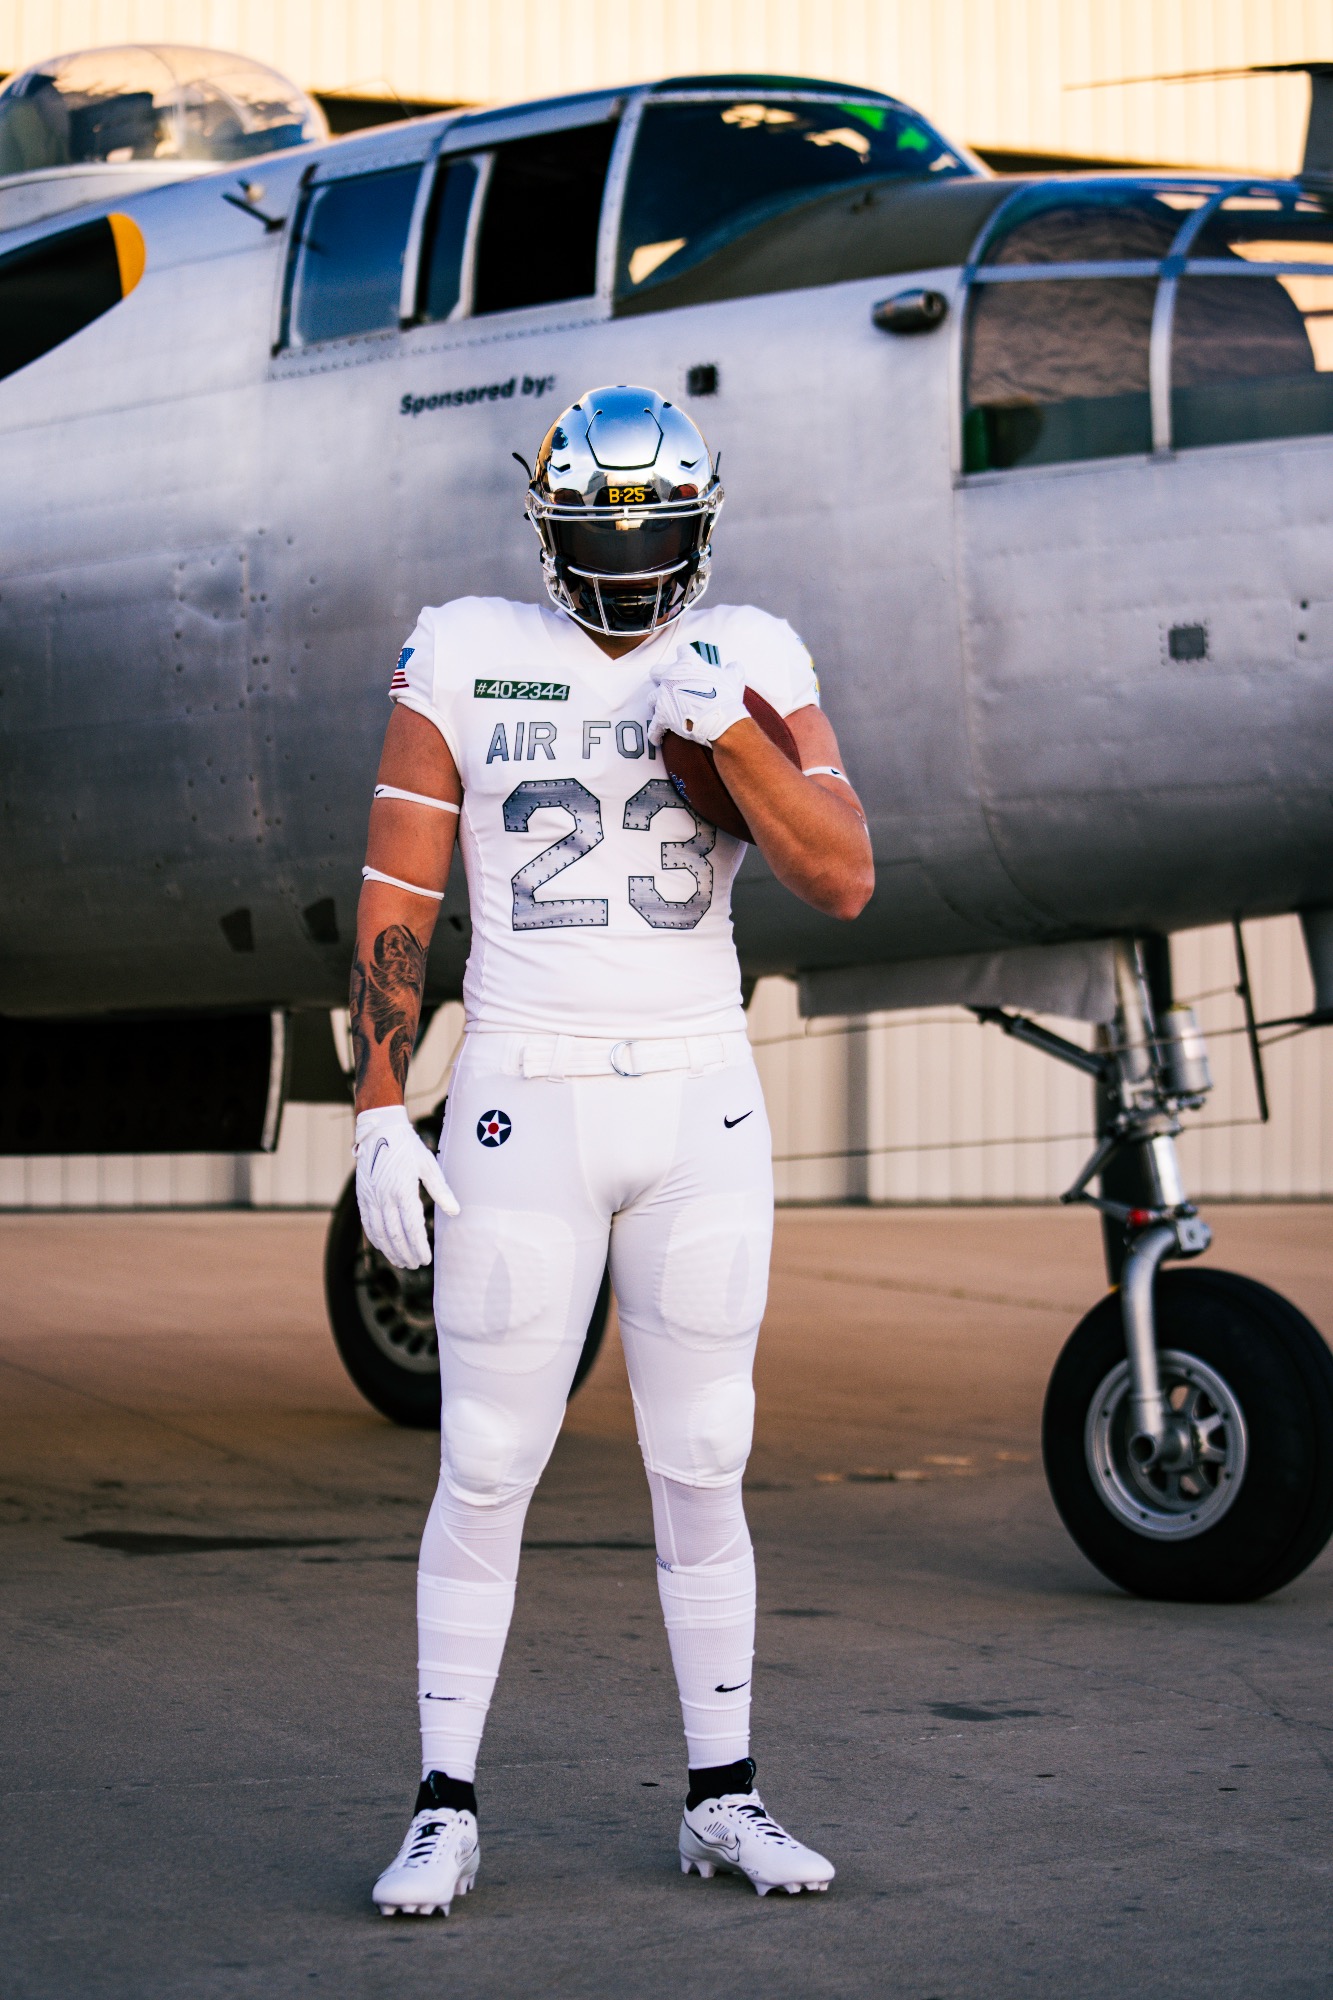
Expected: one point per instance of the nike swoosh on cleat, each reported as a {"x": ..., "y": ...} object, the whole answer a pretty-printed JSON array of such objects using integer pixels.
[
  {"x": 703, "y": 694},
  {"x": 729, "y": 1122},
  {"x": 722, "y": 1688}
]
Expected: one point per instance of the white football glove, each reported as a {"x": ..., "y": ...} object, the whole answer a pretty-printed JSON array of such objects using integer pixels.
[
  {"x": 392, "y": 1165},
  {"x": 695, "y": 700}
]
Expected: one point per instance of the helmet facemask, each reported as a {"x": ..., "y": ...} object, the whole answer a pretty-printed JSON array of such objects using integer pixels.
[{"x": 625, "y": 570}]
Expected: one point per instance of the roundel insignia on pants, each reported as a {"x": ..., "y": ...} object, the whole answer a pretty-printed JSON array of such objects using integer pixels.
[{"x": 493, "y": 1128}]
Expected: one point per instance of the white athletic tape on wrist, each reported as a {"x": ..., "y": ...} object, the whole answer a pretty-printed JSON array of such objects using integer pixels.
[
  {"x": 396, "y": 882},
  {"x": 416, "y": 799}
]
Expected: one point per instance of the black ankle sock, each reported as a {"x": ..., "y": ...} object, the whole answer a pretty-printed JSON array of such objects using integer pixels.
[
  {"x": 439, "y": 1793},
  {"x": 720, "y": 1778}
]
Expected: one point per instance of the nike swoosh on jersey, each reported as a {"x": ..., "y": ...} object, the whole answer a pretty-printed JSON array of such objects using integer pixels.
[{"x": 729, "y": 1122}]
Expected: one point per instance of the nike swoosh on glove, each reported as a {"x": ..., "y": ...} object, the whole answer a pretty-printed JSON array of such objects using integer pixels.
[
  {"x": 392, "y": 1166},
  {"x": 695, "y": 700}
]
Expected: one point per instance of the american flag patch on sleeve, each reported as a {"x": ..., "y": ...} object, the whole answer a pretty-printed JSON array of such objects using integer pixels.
[{"x": 398, "y": 685}]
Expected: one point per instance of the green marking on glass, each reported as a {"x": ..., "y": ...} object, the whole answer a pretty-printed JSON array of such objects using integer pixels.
[
  {"x": 869, "y": 114},
  {"x": 913, "y": 140}
]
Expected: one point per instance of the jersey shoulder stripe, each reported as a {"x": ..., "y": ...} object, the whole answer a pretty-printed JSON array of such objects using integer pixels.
[{"x": 776, "y": 661}]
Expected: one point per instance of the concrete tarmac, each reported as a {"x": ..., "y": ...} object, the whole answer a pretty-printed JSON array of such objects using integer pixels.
[{"x": 1030, "y": 1784}]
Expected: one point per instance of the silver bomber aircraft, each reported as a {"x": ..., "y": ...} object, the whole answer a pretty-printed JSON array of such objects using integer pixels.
[{"x": 1040, "y": 468}]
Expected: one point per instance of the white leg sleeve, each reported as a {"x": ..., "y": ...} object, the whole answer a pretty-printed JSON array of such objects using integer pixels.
[
  {"x": 515, "y": 1277},
  {"x": 465, "y": 1598},
  {"x": 705, "y": 1577}
]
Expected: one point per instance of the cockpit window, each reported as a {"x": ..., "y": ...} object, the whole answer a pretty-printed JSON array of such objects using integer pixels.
[
  {"x": 1094, "y": 224},
  {"x": 446, "y": 238},
  {"x": 1057, "y": 371},
  {"x": 150, "y": 103},
  {"x": 705, "y": 170},
  {"x": 539, "y": 224},
  {"x": 1265, "y": 226},
  {"x": 1252, "y": 329},
  {"x": 1057, "y": 361},
  {"x": 348, "y": 274},
  {"x": 1239, "y": 298}
]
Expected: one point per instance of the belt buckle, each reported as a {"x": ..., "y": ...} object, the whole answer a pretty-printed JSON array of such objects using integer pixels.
[{"x": 616, "y": 1047}]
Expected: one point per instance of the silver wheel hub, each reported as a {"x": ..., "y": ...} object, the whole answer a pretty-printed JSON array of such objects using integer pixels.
[
  {"x": 398, "y": 1311},
  {"x": 1188, "y": 1491}
]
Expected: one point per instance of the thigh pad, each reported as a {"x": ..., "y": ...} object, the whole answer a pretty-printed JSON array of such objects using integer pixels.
[
  {"x": 504, "y": 1281},
  {"x": 712, "y": 1281}
]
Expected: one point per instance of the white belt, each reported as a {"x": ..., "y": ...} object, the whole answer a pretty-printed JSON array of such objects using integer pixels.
[{"x": 559, "y": 1056}]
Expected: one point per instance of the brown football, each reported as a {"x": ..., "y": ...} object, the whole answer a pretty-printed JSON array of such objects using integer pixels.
[{"x": 692, "y": 771}]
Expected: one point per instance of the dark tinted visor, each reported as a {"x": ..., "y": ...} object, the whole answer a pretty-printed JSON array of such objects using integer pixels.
[{"x": 618, "y": 547}]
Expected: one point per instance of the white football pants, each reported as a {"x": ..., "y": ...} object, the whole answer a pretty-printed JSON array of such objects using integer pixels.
[{"x": 670, "y": 1172}]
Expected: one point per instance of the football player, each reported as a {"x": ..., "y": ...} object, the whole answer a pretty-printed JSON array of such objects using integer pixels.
[{"x": 605, "y": 1102}]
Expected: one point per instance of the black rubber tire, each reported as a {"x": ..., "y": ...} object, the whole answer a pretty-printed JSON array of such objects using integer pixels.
[
  {"x": 1281, "y": 1374},
  {"x": 402, "y": 1394}
]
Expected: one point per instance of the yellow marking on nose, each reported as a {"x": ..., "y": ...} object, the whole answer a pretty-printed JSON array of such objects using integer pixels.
[{"x": 131, "y": 254}]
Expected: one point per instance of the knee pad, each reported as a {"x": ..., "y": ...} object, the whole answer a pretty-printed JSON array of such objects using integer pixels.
[
  {"x": 503, "y": 1285},
  {"x": 479, "y": 1443},
  {"x": 721, "y": 1428},
  {"x": 712, "y": 1285},
  {"x": 702, "y": 1438}
]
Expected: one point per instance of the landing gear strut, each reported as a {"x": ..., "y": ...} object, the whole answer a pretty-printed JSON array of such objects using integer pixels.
[{"x": 1188, "y": 1428}]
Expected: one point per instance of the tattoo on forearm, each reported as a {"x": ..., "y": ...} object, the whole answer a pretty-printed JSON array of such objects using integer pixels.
[{"x": 386, "y": 1000}]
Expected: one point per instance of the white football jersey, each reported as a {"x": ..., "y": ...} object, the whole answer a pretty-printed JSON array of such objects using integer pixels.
[{"x": 601, "y": 905}]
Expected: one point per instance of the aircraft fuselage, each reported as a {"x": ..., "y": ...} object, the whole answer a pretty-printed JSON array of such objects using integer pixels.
[{"x": 213, "y": 551}]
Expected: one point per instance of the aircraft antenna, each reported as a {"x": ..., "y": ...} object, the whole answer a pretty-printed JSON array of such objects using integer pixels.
[{"x": 1317, "y": 163}]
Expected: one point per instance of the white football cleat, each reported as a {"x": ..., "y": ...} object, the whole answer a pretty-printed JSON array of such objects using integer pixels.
[
  {"x": 735, "y": 1834},
  {"x": 437, "y": 1861}
]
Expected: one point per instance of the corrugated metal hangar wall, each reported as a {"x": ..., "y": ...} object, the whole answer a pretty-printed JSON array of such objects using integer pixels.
[
  {"x": 1001, "y": 73},
  {"x": 911, "y": 1107},
  {"x": 921, "y": 1106}
]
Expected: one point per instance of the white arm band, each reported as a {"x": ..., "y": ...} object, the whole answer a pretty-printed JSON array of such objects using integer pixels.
[
  {"x": 416, "y": 799},
  {"x": 825, "y": 771},
  {"x": 395, "y": 882}
]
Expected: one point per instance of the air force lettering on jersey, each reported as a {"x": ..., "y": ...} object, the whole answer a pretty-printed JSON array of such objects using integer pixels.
[{"x": 589, "y": 876}]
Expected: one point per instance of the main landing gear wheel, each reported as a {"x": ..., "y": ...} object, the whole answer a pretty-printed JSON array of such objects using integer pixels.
[
  {"x": 1247, "y": 1503},
  {"x": 383, "y": 1319}
]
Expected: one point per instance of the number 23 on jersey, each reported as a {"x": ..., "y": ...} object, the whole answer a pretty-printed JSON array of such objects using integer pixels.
[{"x": 591, "y": 912}]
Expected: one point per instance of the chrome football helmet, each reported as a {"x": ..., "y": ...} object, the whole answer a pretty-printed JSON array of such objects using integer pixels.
[{"x": 623, "y": 500}]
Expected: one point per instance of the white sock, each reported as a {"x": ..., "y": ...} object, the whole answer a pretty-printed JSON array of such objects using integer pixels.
[
  {"x": 705, "y": 1578},
  {"x": 465, "y": 1599}
]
